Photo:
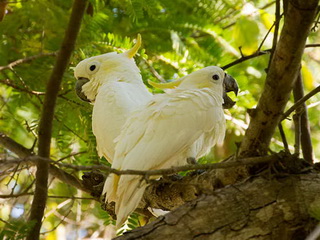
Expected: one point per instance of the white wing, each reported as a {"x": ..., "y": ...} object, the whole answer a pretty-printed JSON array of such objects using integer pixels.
[
  {"x": 160, "y": 136},
  {"x": 167, "y": 127},
  {"x": 114, "y": 103}
]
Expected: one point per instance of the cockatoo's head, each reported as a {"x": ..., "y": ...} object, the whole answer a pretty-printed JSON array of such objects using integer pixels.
[
  {"x": 92, "y": 72},
  {"x": 209, "y": 77}
]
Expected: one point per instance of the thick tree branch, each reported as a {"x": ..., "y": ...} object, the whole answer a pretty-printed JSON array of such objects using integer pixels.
[
  {"x": 45, "y": 126},
  {"x": 257, "y": 208},
  {"x": 281, "y": 76},
  {"x": 15, "y": 147}
]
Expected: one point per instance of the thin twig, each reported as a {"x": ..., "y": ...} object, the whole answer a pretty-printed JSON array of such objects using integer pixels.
[
  {"x": 233, "y": 23},
  {"x": 315, "y": 26},
  {"x": 59, "y": 223},
  {"x": 72, "y": 101},
  {"x": 276, "y": 25},
  {"x": 11, "y": 84},
  {"x": 69, "y": 129},
  {"x": 167, "y": 171},
  {"x": 26, "y": 60},
  {"x": 313, "y": 45},
  {"x": 153, "y": 71},
  {"x": 63, "y": 217},
  {"x": 6, "y": 222},
  {"x": 24, "y": 152},
  {"x": 16, "y": 195},
  {"x": 299, "y": 102},
  {"x": 71, "y": 155},
  {"x": 11, "y": 178},
  {"x": 245, "y": 58},
  {"x": 25, "y": 192},
  {"x": 27, "y": 90},
  {"x": 257, "y": 54},
  {"x": 284, "y": 139},
  {"x": 72, "y": 197}
]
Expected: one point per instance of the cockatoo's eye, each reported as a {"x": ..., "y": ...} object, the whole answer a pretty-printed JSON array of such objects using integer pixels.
[
  {"x": 93, "y": 67},
  {"x": 215, "y": 77}
]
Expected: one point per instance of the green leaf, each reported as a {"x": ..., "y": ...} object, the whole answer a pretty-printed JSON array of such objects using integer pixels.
[{"x": 245, "y": 34}]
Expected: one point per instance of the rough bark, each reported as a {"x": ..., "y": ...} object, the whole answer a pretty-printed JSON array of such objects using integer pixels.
[
  {"x": 45, "y": 126},
  {"x": 171, "y": 192},
  {"x": 258, "y": 208},
  {"x": 281, "y": 76}
]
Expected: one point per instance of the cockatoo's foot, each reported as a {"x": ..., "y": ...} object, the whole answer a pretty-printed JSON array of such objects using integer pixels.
[
  {"x": 191, "y": 160},
  {"x": 109, "y": 208}
]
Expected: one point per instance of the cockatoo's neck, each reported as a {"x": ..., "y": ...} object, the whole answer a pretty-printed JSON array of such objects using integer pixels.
[
  {"x": 215, "y": 89},
  {"x": 123, "y": 76},
  {"x": 129, "y": 73},
  {"x": 215, "y": 93}
]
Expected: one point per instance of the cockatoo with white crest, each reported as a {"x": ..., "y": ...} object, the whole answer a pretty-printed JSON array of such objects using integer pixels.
[
  {"x": 112, "y": 83},
  {"x": 183, "y": 123}
]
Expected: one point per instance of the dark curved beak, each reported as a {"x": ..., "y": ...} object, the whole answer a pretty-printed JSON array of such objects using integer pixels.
[
  {"x": 230, "y": 85},
  {"x": 78, "y": 87}
]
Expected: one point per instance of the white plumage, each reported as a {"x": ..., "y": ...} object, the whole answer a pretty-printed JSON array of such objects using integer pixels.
[
  {"x": 114, "y": 103},
  {"x": 113, "y": 83},
  {"x": 156, "y": 131},
  {"x": 174, "y": 126}
]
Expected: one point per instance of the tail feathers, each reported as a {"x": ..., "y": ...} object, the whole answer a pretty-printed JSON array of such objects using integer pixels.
[
  {"x": 110, "y": 188},
  {"x": 126, "y": 191},
  {"x": 129, "y": 197}
]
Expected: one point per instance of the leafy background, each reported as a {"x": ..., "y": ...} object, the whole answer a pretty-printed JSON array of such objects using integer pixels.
[{"x": 178, "y": 37}]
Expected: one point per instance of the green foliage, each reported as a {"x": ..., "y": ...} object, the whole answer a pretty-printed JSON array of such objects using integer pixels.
[
  {"x": 16, "y": 230},
  {"x": 249, "y": 41},
  {"x": 178, "y": 37}
]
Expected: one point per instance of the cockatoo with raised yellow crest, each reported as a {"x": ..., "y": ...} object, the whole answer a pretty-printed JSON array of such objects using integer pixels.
[
  {"x": 183, "y": 123},
  {"x": 113, "y": 83}
]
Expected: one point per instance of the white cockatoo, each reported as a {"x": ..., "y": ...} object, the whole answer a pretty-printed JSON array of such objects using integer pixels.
[
  {"x": 113, "y": 83},
  {"x": 174, "y": 126}
]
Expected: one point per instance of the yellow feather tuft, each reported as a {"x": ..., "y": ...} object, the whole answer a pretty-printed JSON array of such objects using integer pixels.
[
  {"x": 130, "y": 53},
  {"x": 166, "y": 85}
]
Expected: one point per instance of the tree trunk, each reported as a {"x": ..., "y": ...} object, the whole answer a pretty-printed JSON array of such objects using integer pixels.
[{"x": 281, "y": 76}]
